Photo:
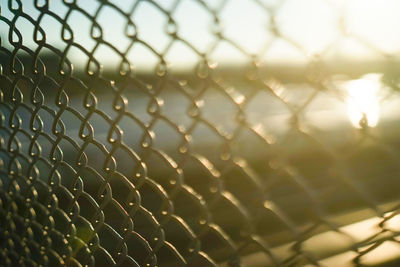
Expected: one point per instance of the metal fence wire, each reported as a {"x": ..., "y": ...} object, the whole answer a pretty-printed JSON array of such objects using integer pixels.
[{"x": 174, "y": 133}]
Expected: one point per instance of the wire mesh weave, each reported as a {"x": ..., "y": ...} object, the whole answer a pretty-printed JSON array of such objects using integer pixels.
[{"x": 103, "y": 167}]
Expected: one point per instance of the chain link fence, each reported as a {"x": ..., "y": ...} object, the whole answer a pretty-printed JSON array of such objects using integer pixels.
[{"x": 199, "y": 133}]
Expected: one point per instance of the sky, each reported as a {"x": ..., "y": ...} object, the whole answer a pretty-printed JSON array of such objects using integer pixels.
[{"x": 311, "y": 24}]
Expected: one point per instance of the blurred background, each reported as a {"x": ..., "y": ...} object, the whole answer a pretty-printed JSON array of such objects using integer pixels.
[{"x": 197, "y": 132}]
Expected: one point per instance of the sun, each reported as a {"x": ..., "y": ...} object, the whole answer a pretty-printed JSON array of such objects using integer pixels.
[{"x": 362, "y": 100}]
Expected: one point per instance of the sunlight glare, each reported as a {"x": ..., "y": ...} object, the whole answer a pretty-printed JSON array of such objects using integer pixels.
[{"x": 362, "y": 100}]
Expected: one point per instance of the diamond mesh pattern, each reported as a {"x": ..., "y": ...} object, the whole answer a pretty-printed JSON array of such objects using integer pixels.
[{"x": 202, "y": 163}]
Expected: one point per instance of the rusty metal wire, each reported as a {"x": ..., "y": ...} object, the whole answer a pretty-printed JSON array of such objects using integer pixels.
[{"x": 115, "y": 165}]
